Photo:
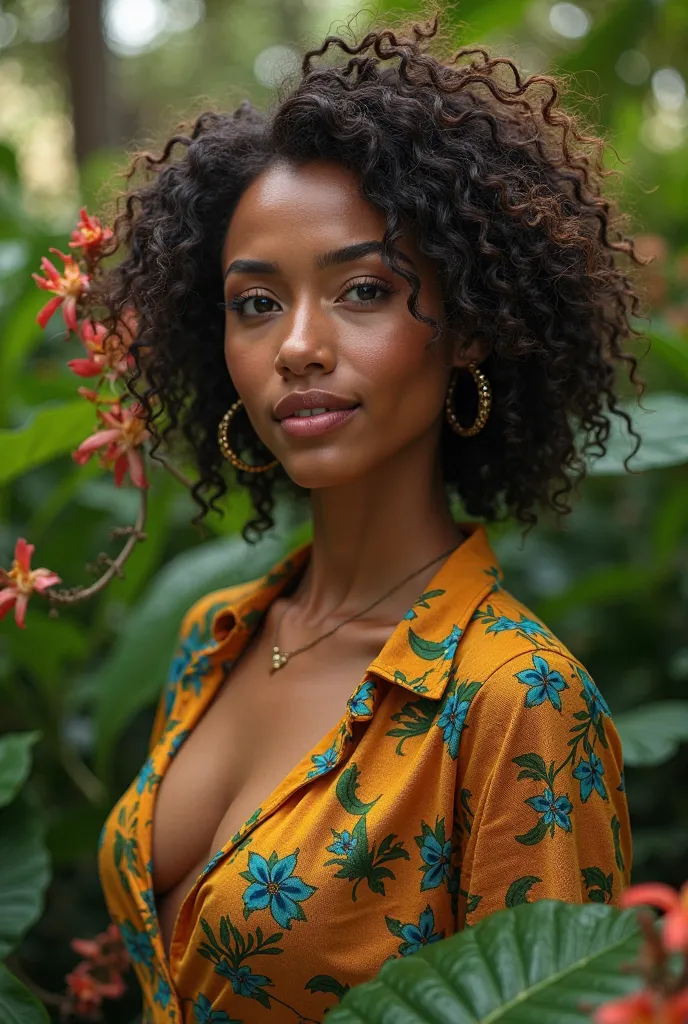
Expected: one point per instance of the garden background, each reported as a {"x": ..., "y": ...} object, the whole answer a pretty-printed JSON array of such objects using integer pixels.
[{"x": 82, "y": 82}]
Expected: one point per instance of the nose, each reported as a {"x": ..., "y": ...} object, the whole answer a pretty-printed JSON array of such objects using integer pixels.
[{"x": 308, "y": 346}]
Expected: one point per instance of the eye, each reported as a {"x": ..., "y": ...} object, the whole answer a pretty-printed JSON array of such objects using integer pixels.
[
  {"x": 238, "y": 302},
  {"x": 368, "y": 285}
]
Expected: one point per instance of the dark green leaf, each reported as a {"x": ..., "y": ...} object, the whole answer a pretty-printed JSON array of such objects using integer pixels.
[
  {"x": 17, "y": 1004},
  {"x": 24, "y": 873},
  {"x": 545, "y": 961},
  {"x": 15, "y": 763},
  {"x": 651, "y": 734}
]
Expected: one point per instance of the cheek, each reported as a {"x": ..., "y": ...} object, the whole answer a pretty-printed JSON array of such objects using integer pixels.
[{"x": 406, "y": 375}]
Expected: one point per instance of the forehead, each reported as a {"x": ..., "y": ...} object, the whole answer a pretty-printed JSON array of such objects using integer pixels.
[{"x": 315, "y": 206}]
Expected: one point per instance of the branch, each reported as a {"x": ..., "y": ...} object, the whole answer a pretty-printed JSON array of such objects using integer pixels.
[{"x": 71, "y": 595}]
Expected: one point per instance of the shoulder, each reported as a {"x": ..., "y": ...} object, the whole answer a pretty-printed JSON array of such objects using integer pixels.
[{"x": 523, "y": 665}]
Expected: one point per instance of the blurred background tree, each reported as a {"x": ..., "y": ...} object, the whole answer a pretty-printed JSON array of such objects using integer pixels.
[{"x": 85, "y": 81}]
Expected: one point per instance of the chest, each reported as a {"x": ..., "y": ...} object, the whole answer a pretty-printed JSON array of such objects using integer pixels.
[{"x": 258, "y": 726}]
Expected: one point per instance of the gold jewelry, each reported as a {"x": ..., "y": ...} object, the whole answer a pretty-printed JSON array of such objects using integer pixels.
[
  {"x": 280, "y": 657},
  {"x": 225, "y": 448},
  {"x": 484, "y": 403}
]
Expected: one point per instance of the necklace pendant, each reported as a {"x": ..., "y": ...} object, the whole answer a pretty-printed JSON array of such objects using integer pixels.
[{"x": 279, "y": 658}]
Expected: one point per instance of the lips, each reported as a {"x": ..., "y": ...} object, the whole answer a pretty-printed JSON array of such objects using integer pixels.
[{"x": 312, "y": 399}]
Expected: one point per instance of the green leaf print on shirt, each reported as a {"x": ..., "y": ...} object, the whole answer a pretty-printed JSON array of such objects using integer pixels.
[
  {"x": 415, "y": 718},
  {"x": 600, "y": 886},
  {"x": 126, "y": 845},
  {"x": 527, "y": 629},
  {"x": 326, "y": 983},
  {"x": 517, "y": 892},
  {"x": 357, "y": 860},
  {"x": 228, "y": 954},
  {"x": 618, "y": 856}
]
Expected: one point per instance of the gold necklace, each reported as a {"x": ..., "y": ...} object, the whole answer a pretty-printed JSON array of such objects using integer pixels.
[{"x": 280, "y": 657}]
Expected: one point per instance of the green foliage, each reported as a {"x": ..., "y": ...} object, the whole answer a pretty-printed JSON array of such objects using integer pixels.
[
  {"x": 651, "y": 734},
  {"x": 489, "y": 972},
  {"x": 78, "y": 691}
]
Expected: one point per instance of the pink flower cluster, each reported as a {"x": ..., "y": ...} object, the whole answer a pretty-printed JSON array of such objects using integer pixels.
[
  {"x": 121, "y": 435},
  {"x": 664, "y": 1000},
  {"x": 99, "y": 975}
]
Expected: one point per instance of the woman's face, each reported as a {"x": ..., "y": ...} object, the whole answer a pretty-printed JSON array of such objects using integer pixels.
[{"x": 337, "y": 324}]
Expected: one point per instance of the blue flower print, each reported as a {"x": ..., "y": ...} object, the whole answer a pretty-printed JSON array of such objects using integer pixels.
[
  {"x": 275, "y": 886},
  {"x": 451, "y": 642},
  {"x": 138, "y": 944},
  {"x": 452, "y": 722},
  {"x": 147, "y": 778},
  {"x": 177, "y": 742},
  {"x": 211, "y": 863},
  {"x": 148, "y": 897},
  {"x": 589, "y": 773},
  {"x": 436, "y": 856},
  {"x": 163, "y": 993},
  {"x": 528, "y": 626},
  {"x": 204, "y": 1013},
  {"x": 554, "y": 811},
  {"x": 180, "y": 663},
  {"x": 545, "y": 684},
  {"x": 344, "y": 843},
  {"x": 597, "y": 705},
  {"x": 419, "y": 935},
  {"x": 358, "y": 703},
  {"x": 243, "y": 982},
  {"x": 323, "y": 762}
]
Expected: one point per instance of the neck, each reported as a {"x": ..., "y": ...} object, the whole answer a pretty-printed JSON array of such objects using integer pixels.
[{"x": 371, "y": 533}]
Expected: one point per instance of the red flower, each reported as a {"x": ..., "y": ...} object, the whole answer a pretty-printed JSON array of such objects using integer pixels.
[
  {"x": 89, "y": 992},
  {"x": 89, "y": 235},
  {"x": 125, "y": 434},
  {"x": 68, "y": 288},
  {"x": 107, "y": 353},
  {"x": 17, "y": 585},
  {"x": 645, "y": 1008},
  {"x": 675, "y": 907}
]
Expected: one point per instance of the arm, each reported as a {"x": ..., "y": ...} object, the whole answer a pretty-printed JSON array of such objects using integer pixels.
[{"x": 540, "y": 798}]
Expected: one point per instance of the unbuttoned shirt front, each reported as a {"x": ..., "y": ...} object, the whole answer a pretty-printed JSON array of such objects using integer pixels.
[{"x": 475, "y": 766}]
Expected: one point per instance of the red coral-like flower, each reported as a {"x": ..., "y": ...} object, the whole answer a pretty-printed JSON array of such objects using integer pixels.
[
  {"x": 21, "y": 581},
  {"x": 645, "y": 1008},
  {"x": 121, "y": 441},
  {"x": 675, "y": 907},
  {"x": 108, "y": 354},
  {"x": 89, "y": 235},
  {"x": 68, "y": 288}
]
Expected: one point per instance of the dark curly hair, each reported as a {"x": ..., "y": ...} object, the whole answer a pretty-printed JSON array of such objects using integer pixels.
[{"x": 501, "y": 188}]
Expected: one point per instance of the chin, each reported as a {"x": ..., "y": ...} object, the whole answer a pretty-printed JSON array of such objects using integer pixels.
[{"x": 314, "y": 473}]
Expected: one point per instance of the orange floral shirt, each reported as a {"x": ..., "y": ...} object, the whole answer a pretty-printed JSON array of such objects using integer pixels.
[{"x": 475, "y": 766}]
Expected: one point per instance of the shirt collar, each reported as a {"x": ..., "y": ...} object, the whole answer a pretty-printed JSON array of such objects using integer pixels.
[{"x": 421, "y": 650}]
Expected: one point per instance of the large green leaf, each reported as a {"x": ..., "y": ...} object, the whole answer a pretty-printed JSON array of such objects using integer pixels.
[
  {"x": 134, "y": 673},
  {"x": 24, "y": 873},
  {"x": 651, "y": 734},
  {"x": 546, "y": 961},
  {"x": 51, "y": 432},
  {"x": 17, "y": 1004},
  {"x": 663, "y": 428},
  {"x": 15, "y": 763}
]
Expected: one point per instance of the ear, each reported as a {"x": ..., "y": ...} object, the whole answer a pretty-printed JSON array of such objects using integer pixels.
[{"x": 468, "y": 350}]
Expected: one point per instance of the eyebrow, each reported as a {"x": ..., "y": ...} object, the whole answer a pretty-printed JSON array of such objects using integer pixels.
[{"x": 332, "y": 258}]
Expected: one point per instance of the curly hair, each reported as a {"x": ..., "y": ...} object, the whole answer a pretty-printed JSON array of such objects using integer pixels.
[{"x": 502, "y": 189}]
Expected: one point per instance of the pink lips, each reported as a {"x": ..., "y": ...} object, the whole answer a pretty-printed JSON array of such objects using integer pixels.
[{"x": 310, "y": 426}]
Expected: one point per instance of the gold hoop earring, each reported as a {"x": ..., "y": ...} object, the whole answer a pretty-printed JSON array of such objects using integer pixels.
[
  {"x": 484, "y": 403},
  {"x": 225, "y": 448}
]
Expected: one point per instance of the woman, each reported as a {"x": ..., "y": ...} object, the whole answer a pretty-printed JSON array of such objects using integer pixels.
[{"x": 398, "y": 288}]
